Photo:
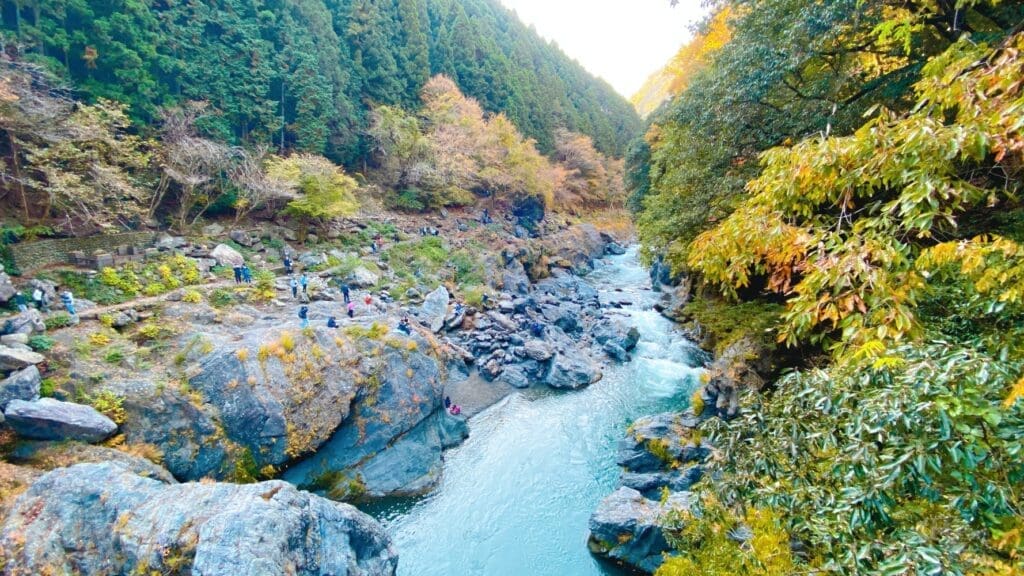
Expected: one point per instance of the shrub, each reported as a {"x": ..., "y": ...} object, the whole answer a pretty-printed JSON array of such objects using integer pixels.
[
  {"x": 192, "y": 296},
  {"x": 221, "y": 297},
  {"x": 47, "y": 387},
  {"x": 40, "y": 342},
  {"x": 115, "y": 356},
  {"x": 58, "y": 320},
  {"x": 99, "y": 339},
  {"x": 109, "y": 404}
]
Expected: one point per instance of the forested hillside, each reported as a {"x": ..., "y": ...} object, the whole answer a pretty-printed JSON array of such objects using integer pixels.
[
  {"x": 304, "y": 75},
  {"x": 840, "y": 181}
]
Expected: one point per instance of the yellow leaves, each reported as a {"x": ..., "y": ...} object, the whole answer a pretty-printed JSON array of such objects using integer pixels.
[{"x": 1016, "y": 393}]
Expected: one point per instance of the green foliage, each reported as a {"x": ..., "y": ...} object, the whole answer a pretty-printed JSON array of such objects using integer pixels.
[
  {"x": 730, "y": 322},
  {"x": 338, "y": 485},
  {"x": 303, "y": 78},
  {"x": 374, "y": 332},
  {"x": 58, "y": 320},
  {"x": 40, "y": 342},
  {"x": 323, "y": 190},
  {"x": 221, "y": 297},
  {"x": 131, "y": 280},
  {"x": 840, "y": 223},
  {"x": 246, "y": 469},
  {"x": 47, "y": 387},
  {"x": 706, "y": 539},
  {"x": 109, "y": 404},
  {"x": 908, "y": 468}
]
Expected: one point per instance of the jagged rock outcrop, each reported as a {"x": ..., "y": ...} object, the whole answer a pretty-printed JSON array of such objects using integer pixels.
[
  {"x": 49, "y": 419},
  {"x": 226, "y": 255},
  {"x": 17, "y": 358},
  {"x": 658, "y": 453},
  {"x": 627, "y": 527},
  {"x": 20, "y": 385},
  {"x": 135, "y": 525},
  {"x": 435, "y": 308},
  {"x": 392, "y": 443}
]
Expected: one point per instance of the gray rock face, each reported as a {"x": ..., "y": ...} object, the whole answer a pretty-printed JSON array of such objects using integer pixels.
[
  {"x": 615, "y": 351},
  {"x": 49, "y": 419},
  {"x": 538, "y": 350},
  {"x": 226, "y": 256},
  {"x": 29, "y": 322},
  {"x": 435, "y": 308},
  {"x": 13, "y": 339},
  {"x": 626, "y": 527},
  {"x": 363, "y": 278},
  {"x": 134, "y": 525},
  {"x": 515, "y": 377},
  {"x": 572, "y": 373},
  {"x": 242, "y": 238},
  {"x": 16, "y": 359},
  {"x": 514, "y": 279},
  {"x": 668, "y": 430},
  {"x": 394, "y": 445},
  {"x": 21, "y": 385}
]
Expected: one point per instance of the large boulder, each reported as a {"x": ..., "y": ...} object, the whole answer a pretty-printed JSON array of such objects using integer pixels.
[
  {"x": 227, "y": 256},
  {"x": 49, "y": 419},
  {"x": 242, "y": 238},
  {"x": 627, "y": 527},
  {"x": 29, "y": 322},
  {"x": 514, "y": 279},
  {"x": 103, "y": 519},
  {"x": 361, "y": 277},
  {"x": 435, "y": 308},
  {"x": 18, "y": 358},
  {"x": 538, "y": 350},
  {"x": 394, "y": 444},
  {"x": 21, "y": 385},
  {"x": 572, "y": 373},
  {"x": 661, "y": 442}
]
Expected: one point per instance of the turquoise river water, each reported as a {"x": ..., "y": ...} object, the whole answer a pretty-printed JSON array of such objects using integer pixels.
[{"x": 515, "y": 498}]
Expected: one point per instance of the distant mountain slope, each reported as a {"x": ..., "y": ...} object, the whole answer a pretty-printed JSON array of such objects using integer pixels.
[{"x": 304, "y": 72}]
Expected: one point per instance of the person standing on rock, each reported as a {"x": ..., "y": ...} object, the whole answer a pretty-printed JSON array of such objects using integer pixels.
[
  {"x": 45, "y": 303},
  {"x": 287, "y": 264},
  {"x": 345, "y": 292},
  {"x": 351, "y": 309},
  {"x": 19, "y": 299},
  {"x": 37, "y": 298},
  {"x": 246, "y": 274},
  {"x": 294, "y": 284},
  {"x": 238, "y": 274},
  {"x": 304, "y": 316},
  {"x": 68, "y": 299},
  {"x": 304, "y": 282}
]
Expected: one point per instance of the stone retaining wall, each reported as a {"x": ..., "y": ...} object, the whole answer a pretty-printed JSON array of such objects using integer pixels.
[{"x": 34, "y": 255}]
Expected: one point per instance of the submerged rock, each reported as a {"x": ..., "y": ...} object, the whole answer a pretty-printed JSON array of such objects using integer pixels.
[
  {"x": 49, "y": 419},
  {"x": 627, "y": 527},
  {"x": 104, "y": 519},
  {"x": 571, "y": 373}
]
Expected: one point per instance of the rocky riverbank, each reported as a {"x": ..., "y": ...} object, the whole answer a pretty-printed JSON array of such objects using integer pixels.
[
  {"x": 663, "y": 456},
  {"x": 243, "y": 392}
]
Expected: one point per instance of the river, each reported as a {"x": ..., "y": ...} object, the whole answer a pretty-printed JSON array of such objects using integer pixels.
[{"x": 516, "y": 497}]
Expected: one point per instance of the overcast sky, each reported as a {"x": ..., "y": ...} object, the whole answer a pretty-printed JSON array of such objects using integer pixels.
[{"x": 622, "y": 41}]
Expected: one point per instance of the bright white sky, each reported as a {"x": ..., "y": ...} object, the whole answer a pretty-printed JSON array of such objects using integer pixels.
[{"x": 622, "y": 41}]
